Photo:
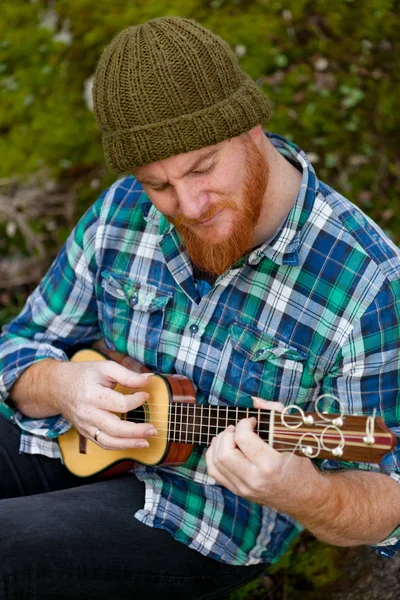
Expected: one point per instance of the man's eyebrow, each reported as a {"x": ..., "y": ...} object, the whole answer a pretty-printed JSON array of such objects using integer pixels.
[{"x": 192, "y": 167}]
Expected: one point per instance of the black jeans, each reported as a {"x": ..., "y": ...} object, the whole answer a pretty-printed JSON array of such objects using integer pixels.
[{"x": 63, "y": 537}]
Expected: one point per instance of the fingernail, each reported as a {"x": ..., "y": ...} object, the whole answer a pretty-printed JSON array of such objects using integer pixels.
[
  {"x": 147, "y": 374},
  {"x": 143, "y": 444},
  {"x": 152, "y": 431}
]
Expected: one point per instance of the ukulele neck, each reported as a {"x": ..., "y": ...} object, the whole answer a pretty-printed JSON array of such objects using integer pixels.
[
  {"x": 198, "y": 424},
  {"x": 348, "y": 438}
]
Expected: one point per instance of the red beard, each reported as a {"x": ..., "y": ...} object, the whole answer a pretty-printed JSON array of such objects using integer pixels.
[{"x": 217, "y": 257}]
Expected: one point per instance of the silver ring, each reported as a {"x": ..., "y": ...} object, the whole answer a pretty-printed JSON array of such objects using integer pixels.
[{"x": 96, "y": 435}]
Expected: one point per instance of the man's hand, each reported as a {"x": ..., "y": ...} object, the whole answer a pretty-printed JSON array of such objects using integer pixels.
[
  {"x": 245, "y": 464},
  {"x": 87, "y": 399},
  {"x": 83, "y": 392}
]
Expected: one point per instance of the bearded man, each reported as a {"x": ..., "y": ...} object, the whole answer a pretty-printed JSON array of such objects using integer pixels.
[{"x": 219, "y": 257}]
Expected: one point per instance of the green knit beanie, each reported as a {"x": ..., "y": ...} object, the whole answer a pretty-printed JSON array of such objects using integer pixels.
[{"x": 170, "y": 86}]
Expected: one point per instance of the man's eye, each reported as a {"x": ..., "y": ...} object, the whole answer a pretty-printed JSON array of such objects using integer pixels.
[
  {"x": 160, "y": 188},
  {"x": 203, "y": 171}
]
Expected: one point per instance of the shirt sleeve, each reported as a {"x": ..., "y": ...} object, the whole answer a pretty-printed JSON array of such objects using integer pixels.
[
  {"x": 59, "y": 312},
  {"x": 366, "y": 376}
]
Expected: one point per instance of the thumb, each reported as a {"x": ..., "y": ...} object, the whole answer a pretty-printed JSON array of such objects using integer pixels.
[{"x": 267, "y": 404}]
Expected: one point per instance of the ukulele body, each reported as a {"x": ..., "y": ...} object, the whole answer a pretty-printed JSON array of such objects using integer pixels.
[{"x": 84, "y": 457}]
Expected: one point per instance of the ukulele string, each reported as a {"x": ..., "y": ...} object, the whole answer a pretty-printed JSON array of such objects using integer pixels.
[
  {"x": 278, "y": 433},
  {"x": 179, "y": 413},
  {"x": 193, "y": 424},
  {"x": 288, "y": 445},
  {"x": 190, "y": 420}
]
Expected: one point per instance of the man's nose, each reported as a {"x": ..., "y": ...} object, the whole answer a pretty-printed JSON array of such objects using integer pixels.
[{"x": 192, "y": 203}]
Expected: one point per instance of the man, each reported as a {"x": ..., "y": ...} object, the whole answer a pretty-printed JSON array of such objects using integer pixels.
[{"x": 224, "y": 259}]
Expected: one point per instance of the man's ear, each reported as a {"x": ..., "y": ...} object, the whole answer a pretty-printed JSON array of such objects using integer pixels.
[{"x": 256, "y": 133}]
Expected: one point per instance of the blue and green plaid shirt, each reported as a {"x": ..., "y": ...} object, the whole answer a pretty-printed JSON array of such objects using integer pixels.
[{"x": 314, "y": 310}]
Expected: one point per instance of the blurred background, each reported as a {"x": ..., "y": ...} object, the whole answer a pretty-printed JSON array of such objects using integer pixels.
[{"x": 330, "y": 69}]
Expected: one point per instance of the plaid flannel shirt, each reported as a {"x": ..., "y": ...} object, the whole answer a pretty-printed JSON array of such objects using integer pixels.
[{"x": 314, "y": 310}]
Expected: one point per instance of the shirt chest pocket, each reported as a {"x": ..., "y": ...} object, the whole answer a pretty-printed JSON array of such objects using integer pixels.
[
  {"x": 133, "y": 316},
  {"x": 253, "y": 363}
]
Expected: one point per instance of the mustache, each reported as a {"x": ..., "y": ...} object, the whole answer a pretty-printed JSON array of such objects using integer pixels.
[{"x": 182, "y": 221}]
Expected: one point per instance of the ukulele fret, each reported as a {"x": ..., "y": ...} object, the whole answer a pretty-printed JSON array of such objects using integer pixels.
[
  {"x": 181, "y": 423},
  {"x": 186, "y": 411},
  {"x": 208, "y": 429},
  {"x": 201, "y": 420}
]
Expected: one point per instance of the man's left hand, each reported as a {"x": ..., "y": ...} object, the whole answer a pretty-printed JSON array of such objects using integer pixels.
[{"x": 241, "y": 461}]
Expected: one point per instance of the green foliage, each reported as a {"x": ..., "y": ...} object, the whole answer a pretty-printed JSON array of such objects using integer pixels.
[
  {"x": 311, "y": 564},
  {"x": 11, "y": 306},
  {"x": 303, "y": 572}
]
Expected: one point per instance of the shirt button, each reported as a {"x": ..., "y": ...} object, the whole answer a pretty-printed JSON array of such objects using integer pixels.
[
  {"x": 134, "y": 300},
  {"x": 260, "y": 352},
  {"x": 194, "y": 328},
  {"x": 386, "y": 552}
]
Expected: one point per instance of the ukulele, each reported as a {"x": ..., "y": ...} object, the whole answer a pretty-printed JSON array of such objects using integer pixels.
[{"x": 182, "y": 424}]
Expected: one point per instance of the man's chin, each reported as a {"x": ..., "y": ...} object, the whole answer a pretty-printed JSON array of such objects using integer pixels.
[
  {"x": 212, "y": 238},
  {"x": 216, "y": 258}
]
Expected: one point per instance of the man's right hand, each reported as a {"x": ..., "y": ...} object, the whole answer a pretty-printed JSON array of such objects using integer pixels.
[{"x": 84, "y": 394}]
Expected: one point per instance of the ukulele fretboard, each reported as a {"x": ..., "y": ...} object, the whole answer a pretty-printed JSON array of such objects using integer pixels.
[{"x": 198, "y": 424}]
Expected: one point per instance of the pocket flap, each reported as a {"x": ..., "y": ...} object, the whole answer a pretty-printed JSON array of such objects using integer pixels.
[
  {"x": 138, "y": 295},
  {"x": 257, "y": 345}
]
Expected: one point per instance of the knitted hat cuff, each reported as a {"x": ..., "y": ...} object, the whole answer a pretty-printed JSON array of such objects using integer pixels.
[{"x": 126, "y": 149}]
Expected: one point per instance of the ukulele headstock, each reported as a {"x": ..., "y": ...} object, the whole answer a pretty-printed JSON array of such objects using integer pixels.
[{"x": 332, "y": 436}]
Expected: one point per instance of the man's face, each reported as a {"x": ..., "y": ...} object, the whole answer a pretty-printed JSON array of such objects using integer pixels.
[{"x": 213, "y": 197}]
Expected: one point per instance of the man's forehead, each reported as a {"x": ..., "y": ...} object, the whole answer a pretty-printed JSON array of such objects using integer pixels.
[{"x": 179, "y": 162}]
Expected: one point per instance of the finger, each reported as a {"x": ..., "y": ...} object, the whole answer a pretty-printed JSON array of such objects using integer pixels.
[
  {"x": 116, "y": 427},
  {"x": 257, "y": 451},
  {"x": 226, "y": 455},
  {"x": 114, "y": 443},
  {"x": 225, "y": 440},
  {"x": 267, "y": 404},
  {"x": 225, "y": 467},
  {"x": 113, "y": 401},
  {"x": 119, "y": 374},
  {"x": 219, "y": 478},
  {"x": 117, "y": 433},
  {"x": 223, "y": 444}
]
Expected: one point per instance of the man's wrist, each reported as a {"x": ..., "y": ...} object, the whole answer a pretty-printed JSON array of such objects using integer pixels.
[
  {"x": 310, "y": 501},
  {"x": 34, "y": 393}
]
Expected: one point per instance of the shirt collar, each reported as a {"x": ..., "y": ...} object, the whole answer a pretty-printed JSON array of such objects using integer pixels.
[{"x": 282, "y": 248}]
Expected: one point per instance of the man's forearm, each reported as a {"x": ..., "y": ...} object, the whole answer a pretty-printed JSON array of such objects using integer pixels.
[
  {"x": 352, "y": 508},
  {"x": 33, "y": 394}
]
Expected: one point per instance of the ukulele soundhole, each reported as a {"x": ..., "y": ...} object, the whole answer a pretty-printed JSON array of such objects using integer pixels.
[{"x": 138, "y": 415}]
